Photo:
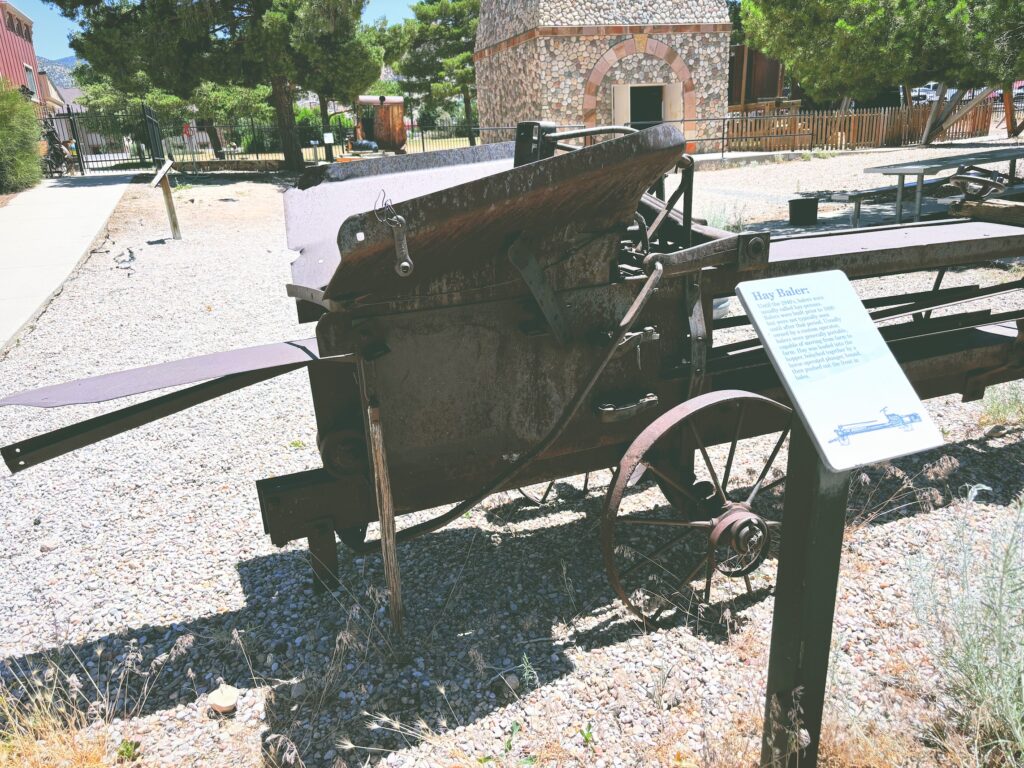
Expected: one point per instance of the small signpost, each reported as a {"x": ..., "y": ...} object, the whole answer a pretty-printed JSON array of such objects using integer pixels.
[
  {"x": 165, "y": 186},
  {"x": 853, "y": 406}
]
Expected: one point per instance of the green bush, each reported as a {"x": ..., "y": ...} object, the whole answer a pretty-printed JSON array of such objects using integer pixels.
[
  {"x": 20, "y": 166},
  {"x": 973, "y": 602}
]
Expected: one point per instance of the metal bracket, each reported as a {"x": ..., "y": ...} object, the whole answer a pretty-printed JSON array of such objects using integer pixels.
[
  {"x": 521, "y": 255},
  {"x": 698, "y": 337},
  {"x": 635, "y": 339},
  {"x": 609, "y": 413},
  {"x": 753, "y": 250},
  {"x": 403, "y": 262}
]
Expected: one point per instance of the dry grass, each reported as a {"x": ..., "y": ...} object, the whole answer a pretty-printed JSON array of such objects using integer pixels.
[
  {"x": 845, "y": 743},
  {"x": 41, "y": 727}
]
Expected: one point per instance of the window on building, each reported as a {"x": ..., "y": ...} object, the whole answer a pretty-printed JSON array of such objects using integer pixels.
[
  {"x": 17, "y": 27},
  {"x": 30, "y": 78},
  {"x": 10, "y": 22},
  {"x": 28, "y": 33}
]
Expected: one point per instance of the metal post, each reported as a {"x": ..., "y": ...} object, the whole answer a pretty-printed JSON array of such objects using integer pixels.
[
  {"x": 917, "y": 197},
  {"x": 899, "y": 200},
  {"x": 723, "y": 136},
  {"x": 687, "y": 182},
  {"x": 423, "y": 139},
  {"x": 80, "y": 154},
  {"x": 814, "y": 516}
]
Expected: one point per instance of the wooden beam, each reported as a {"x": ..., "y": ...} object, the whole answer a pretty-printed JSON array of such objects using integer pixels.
[
  {"x": 926, "y": 133},
  {"x": 945, "y": 114},
  {"x": 966, "y": 110},
  {"x": 743, "y": 78},
  {"x": 1009, "y": 112},
  {"x": 995, "y": 211},
  {"x": 386, "y": 512}
]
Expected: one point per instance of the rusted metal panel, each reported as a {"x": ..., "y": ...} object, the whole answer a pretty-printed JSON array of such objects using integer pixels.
[
  {"x": 471, "y": 226},
  {"x": 111, "y": 386},
  {"x": 329, "y": 194}
]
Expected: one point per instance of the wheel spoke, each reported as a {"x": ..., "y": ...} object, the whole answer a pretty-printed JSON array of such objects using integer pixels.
[
  {"x": 666, "y": 546},
  {"x": 768, "y": 465},
  {"x": 707, "y": 462},
  {"x": 676, "y": 485},
  {"x": 664, "y": 521},
  {"x": 732, "y": 447}
]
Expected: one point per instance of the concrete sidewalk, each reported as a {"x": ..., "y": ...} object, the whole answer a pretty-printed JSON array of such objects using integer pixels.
[{"x": 44, "y": 233}]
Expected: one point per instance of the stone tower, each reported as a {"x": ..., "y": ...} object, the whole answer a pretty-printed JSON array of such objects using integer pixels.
[{"x": 597, "y": 62}]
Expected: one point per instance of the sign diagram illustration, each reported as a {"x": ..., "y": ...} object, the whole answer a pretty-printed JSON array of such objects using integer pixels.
[{"x": 891, "y": 421}]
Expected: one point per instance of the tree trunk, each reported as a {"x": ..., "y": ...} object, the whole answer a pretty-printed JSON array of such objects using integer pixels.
[
  {"x": 281, "y": 97},
  {"x": 908, "y": 97},
  {"x": 468, "y": 102},
  {"x": 325, "y": 121},
  {"x": 206, "y": 124}
]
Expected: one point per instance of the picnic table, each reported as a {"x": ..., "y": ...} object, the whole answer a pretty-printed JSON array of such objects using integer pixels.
[{"x": 922, "y": 168}]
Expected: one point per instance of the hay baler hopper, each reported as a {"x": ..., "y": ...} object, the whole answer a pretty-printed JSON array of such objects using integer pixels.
[{"x": 506, "y": 315}]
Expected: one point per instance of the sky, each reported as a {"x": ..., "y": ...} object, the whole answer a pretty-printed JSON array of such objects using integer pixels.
[{"x": 50, "y": 30}]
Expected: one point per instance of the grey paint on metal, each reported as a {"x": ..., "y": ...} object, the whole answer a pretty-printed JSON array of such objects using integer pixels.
[
  {"x": 929, "y": 167},
  {"x": 314, "y": 215},
  {"x": 98, "y": 389},
  {"x": 871, "y": 241}
]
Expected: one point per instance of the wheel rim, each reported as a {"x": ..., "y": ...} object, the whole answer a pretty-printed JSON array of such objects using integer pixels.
[{"x": 716, "y": 523}]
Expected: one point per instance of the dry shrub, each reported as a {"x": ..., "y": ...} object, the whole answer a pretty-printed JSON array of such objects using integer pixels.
[
  {"x": 41, "y": 727},
  {"x": 845, "y": 743},
  {"x": 886, "y": 492}
]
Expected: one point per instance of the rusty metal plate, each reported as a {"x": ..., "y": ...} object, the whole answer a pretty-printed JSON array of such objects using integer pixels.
[
  {"x": 596, "y": 189},
  {"x": 98, "y": 389},
  {"x": 327, "y": 195}
]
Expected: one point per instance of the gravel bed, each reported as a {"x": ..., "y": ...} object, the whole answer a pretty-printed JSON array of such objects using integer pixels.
[{"x": 142, "y": 558}]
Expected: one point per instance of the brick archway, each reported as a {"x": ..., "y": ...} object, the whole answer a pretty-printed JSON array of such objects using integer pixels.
[{"x": 637, "y": 45}]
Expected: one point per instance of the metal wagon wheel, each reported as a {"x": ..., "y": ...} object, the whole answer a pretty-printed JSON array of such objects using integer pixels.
[{"x": 717, "y": 519}]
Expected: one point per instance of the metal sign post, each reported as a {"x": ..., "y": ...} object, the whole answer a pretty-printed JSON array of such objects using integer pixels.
[
  {"x": 853, "y": 406},
  {"x": 805, "y": 598},
  {"x": 165, "y": 186}
]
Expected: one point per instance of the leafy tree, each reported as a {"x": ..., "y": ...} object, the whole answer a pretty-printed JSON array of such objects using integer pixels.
[
  {"x": 20, "y": 166},
  {"x": 180, "y": 44},
  {"x": 855, "y": 48},
  {"x": 438, "y": 63},
  {"x": 385, "y": 88},
  {"x": 220, "y": 103},
  {"x": 393, "y": 38},
  {"x": 338, "y": 57}
]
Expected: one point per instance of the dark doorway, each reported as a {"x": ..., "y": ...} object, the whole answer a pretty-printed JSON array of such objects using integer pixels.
[{"x": 645, "y": 105}]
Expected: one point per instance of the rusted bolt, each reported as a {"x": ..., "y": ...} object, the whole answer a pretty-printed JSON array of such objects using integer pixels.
[{"x": 755, "y": 247}]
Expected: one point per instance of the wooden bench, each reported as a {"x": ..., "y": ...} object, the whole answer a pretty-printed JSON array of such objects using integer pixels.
[{"x": 858, "y": 196}]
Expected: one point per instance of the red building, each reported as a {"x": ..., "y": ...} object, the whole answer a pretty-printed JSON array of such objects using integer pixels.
[{"x": 18, "y": 63}]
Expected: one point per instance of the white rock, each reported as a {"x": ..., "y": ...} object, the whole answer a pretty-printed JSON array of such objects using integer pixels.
[{"x": 224, "y": 699}]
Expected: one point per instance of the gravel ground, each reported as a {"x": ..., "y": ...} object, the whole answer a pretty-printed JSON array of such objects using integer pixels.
[{"x": 142, "y": 559}]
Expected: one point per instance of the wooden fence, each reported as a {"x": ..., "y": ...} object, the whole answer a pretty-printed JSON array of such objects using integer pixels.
[{"x": 855, "y": 129}]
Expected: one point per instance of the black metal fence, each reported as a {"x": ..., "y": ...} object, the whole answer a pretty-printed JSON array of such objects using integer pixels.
[
  {"x": 138, "y": 141},
  {"x": 104, "y": 142}
]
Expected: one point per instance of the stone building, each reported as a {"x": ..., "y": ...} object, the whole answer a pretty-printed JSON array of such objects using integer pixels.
[{"x": 595, "y": 62}]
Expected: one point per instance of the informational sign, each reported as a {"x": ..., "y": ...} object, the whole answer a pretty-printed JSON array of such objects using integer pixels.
[
  {"x": 328, "y": 138},
  {"x": 856, "y": 402}
]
